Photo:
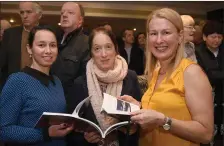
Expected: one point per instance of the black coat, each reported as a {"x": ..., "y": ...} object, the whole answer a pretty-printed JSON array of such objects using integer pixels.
[
  {"x": 214, "y": 68},
  {"x": 136, "y": 59},
  {"x": 72, "y": 58},
  {"x": 80, "y": 92},
  {"x": 10, "y": 52}
]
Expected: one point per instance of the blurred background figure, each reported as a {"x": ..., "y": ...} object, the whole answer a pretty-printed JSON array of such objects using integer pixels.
[
  {"x": 210, "y": 56},
  {"x": 13, "y": 53},
  {"x": 189, "y": 50},
  {"x": 140, "y": 40},
  {"x": 106, "y": 25},
  {"x": 72, "y": 46},
  {"x": 132, "y": 54},
  {"x": 4, "y": 25},
  {"x": 197, "y": 35}
]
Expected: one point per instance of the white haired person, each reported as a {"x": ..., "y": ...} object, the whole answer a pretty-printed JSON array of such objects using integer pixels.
[
  {"x": 13, "y": 53},
  {"x": 189, "y": 49}
]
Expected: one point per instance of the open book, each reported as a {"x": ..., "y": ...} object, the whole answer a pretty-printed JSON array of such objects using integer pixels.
[{"x": 80, "y": 123}]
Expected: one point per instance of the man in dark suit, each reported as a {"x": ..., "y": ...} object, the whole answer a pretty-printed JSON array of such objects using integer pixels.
[
  {"x": 13, "y": 53},
  {"x": 210, "y": 56},
  {"x": 132, "y": 54}
]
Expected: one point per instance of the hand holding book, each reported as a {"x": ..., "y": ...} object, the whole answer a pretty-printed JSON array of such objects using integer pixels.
[
  {"x": 111, "y": 105},
  {"x": 60, "y": 130},
  {"x": 130, "y": 99}
]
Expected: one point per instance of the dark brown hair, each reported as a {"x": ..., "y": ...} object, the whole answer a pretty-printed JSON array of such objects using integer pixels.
[
  {"x": 106, "y": 32},
  {"x": 35, "y": 30}
]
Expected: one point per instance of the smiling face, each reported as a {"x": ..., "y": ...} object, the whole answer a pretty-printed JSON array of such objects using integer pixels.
[
  {"x": 163, "y": 38},
  {"x": 103, "y": 51},
  {"x": 44, "y": 49}
]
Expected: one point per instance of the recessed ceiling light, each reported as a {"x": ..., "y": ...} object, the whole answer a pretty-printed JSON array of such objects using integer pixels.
[
  {"x": 134, "y": 29},
  {"x": 11, "y": 20}
]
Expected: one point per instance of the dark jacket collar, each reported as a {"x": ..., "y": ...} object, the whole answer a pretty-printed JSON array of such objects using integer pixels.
[
  {"x": 72, "y": 34},
  {"x": 40, "y": 76}
]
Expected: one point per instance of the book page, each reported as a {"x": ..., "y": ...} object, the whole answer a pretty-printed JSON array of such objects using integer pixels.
[
  {"x": 114, "y": 127},
  {"x": 80, "y": 124},
  {"x": 112, "y": 105},
  {"x": 79, "y": 106}
]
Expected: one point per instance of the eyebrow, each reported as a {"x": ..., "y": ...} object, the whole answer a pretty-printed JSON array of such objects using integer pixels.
[{"x": 45, "y": 41}]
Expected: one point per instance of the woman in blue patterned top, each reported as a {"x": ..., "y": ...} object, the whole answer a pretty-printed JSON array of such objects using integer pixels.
[{"x": 29, "y": 93}]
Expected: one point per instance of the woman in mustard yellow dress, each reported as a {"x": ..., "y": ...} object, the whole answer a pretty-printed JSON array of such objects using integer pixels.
[{"x": 177, "y": 108}]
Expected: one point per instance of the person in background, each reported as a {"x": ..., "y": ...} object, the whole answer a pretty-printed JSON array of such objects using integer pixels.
[
  {"x": 13, "y": 52},
  {"x": 197, "y": 36},
  {"x": 106, "y": 72},
  {"x": 177, "y": 108},
  {"x": 4, "y": 24},
  {"x": 140, "y": 41},
  {"x": 29, "y": 93},
  {"x": 132, "y": 54},
  {"x": 106, "y": 25},
  {"x": 73, "y": 46},
  {"x": 189, "y": 50},
  {"x": 210, "y": 56}
]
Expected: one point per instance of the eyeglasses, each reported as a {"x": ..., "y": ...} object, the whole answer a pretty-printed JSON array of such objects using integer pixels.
[{"x": 190, "y": 27}]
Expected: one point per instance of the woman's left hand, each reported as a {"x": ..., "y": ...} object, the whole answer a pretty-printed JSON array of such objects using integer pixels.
[
  {"x": 148, "y": 119},
  {"x": 59, "y": 130}
]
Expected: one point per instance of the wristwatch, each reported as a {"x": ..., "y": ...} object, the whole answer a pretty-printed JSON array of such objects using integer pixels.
[{"x": 167, "y": 124}]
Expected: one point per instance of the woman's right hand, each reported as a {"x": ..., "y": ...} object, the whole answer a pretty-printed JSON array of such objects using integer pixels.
[
  {"x": 59, "y": 130},
  {"x": 92, "y": 137},
  {"x": 147, "y": 118},
  {"x": 130, "y": 99}
]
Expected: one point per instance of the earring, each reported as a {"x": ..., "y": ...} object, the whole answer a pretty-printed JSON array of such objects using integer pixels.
[{"x": 30, "y": 55}]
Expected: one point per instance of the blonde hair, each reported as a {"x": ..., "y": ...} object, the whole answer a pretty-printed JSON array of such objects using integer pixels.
[{"x": 151, "y": 60}]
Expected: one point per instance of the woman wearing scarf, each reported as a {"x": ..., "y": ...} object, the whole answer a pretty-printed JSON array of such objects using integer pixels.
[{"x": 106, "y": 72}]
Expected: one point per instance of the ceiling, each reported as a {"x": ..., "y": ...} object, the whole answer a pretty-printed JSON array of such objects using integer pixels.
[{"x": 118, "y": 14}]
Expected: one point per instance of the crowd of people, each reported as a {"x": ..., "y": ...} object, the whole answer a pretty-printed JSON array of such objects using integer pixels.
[{"x": 43, "y": 69}]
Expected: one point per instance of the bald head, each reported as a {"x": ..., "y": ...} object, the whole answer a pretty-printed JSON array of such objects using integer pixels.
[
  {"x": 189, "y": 30},
  {"x": 187, "y": 20},
  {"x": 72, "y": 15},
  {"x": 4, "y": 25}
]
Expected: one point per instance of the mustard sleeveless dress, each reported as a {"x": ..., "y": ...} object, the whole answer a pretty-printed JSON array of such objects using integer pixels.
[{"x": 169, "y": 99}]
